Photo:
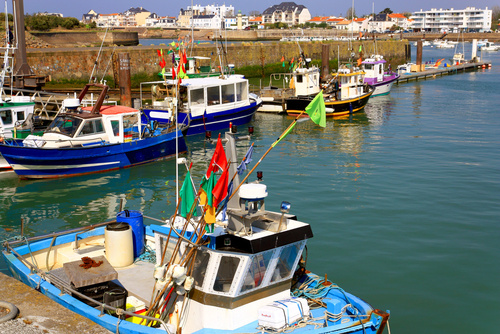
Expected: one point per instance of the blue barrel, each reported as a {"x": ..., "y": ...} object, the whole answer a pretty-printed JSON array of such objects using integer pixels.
[{"x": 135, "y": 220}]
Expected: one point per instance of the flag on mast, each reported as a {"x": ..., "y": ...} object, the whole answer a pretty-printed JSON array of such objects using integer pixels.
[{"x": 316, "y": 110}]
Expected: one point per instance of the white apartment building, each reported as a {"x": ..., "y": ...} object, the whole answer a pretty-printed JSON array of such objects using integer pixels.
[
  {"x": 287, "y": 12},
  {"x": 452, "y": 20},
  {"x": 184, "y": 19}
]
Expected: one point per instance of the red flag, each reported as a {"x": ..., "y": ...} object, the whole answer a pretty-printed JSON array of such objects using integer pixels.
[
  {"x": 185, "y": 58},
  {"x": 220, "y": 190},
  {"x": 159, "y": 52},
  {"x": 173, "y": 72},
  {"x": 162, "y": 63},
  {"x": 282, "y": 58},
  {"x": 218, "y": 159}
]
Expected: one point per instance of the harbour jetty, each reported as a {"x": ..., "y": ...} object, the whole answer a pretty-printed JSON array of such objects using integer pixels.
[{"x": 40, "y": 314}]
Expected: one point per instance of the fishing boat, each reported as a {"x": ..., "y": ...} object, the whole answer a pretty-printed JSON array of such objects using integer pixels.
[
  {"x": 302, "y": 81},
  {"x": 13, "y": 109},
  {"x": 345, "y": 93},
  {"x": 84, "y": 140},
  {"x": 377, "y": 76},
  {"x": 205, "y": 104},
  {"x": 488, "y": 46},
  {"x": 246, "y": 274}
]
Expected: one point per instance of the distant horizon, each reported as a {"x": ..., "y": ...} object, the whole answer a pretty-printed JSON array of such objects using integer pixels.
[{"x": 315, "y": 7}]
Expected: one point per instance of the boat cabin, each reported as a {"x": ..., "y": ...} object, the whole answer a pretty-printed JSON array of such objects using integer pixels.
[
  {"x": 77, "y": 126},
  {"x": 199, "y": 95},
  {"x": 115, "y": 124},
  {"x": 351, "y": 83},
  {"x": 374, "y": 68},
  {"x": 14, "y": 112},
  {"x": 247, "y": 265}
]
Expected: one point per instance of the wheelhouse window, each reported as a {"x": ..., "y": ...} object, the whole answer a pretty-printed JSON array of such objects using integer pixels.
[
  {"x": 241, "y": 91},
  {"x": 213, "y": 95},
  {"x": 228, "y": 93},
  {"x": 6, "y": 116},
  {"x": 256, "y": 271},
  {"x": 20, "y": 115},
  {"x": 286, "y": 260},
  {"x": 300, "y": 78},
  {"x": 130, "y": 127},
  {"x": 368, "y": 67},
  {"x": 115, "y": 125},
  {"x": 200, "y": 266},
  {"x": 67, "y": 125},
  {"x": 225, "y": 274},
  {"x": 197, "y": 96},
  {"x": 91, "y": 127}
]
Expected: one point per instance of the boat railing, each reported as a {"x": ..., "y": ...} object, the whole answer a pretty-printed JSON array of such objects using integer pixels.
[
  {"x": 38, "y": 141},
  {"x": 64, "y": 287}
]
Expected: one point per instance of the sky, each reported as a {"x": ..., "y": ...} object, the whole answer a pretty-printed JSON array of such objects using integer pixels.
[{"x": 76, "y": 9}]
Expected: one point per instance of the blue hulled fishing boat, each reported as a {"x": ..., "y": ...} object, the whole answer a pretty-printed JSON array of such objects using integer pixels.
[
  {"x": 204, "y": 104},
  {"x": 242, "y": 272},
  {"x": 91, "y": 139}
]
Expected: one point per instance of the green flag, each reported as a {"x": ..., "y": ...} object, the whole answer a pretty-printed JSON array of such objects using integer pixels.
[
  {"x": 316, "y": 110},
  {"x": 207, "y": 185},
  {"x": 187, "y": 196},
  {"x": 284, "y": 134}
]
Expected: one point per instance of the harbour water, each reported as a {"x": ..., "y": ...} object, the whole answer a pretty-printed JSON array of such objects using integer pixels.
[{"x": 403, "y": 198}]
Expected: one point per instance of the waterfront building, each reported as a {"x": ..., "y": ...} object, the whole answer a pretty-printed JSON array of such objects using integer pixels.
[
  {"x": 195, "y": 11},
  {"x": 155, "y": 21},
  {"x": 90, "y": 17},
  {"x": 470, "y": 19},
  {"x": 287, "y": 12}
]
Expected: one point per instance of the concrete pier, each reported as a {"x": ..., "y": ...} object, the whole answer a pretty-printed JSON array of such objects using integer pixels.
[{"x": 40, "y": 314}]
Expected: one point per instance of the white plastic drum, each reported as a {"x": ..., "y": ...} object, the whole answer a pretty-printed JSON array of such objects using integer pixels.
[{"x": 119, "y": 245}]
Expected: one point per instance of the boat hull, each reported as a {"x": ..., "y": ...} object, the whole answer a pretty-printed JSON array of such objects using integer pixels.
[
  {"x": 336, "y": 108},
  {"x": 31, "y": 162},
  {"x": 215, "y": 121},
  {"x": 383, "y": 87}
]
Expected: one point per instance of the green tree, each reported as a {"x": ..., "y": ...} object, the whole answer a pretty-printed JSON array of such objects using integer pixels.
[
  {"x": 69, "y": 23},
  {"x": 39, "y": 22},
  {"x": 386, "y": 11},
  {"x": 351, "y": 13}
]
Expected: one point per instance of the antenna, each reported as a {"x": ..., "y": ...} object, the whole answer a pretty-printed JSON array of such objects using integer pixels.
[{"x": 98, "y": 55}]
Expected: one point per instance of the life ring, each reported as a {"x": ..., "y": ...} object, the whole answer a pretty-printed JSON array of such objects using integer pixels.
[{"x": 13, "y": 311}]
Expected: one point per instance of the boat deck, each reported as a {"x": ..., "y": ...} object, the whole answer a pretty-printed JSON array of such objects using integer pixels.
[{"x": 136, "y": 278}]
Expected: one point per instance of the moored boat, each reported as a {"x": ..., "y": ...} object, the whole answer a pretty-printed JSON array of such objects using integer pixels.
[
  {"x": 89, "y": 140},
  {"x": 302, "y": 81},
  {"x": 247, "y": 274},
  {"x": 488, "y": 46},
  {"x": 377, "y": 76},
  {"x": 205, "y": 104},
  {"x": 344, "y": 94}
]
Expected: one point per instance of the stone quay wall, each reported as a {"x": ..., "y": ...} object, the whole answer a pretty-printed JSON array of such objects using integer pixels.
[{"x": 78, "y": 63}]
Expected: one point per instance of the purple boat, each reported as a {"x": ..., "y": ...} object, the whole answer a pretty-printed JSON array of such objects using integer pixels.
[{"x": 376, "y": 76}]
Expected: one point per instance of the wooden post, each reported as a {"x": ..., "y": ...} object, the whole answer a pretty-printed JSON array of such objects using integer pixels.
[
  {"x": 419, "y": 52},
  {"x": 325, "y": 58},
  {"x": 124, "y": 79}
]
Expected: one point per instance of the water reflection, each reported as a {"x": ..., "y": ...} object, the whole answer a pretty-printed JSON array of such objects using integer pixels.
[{"x": 379, "y": 109}]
